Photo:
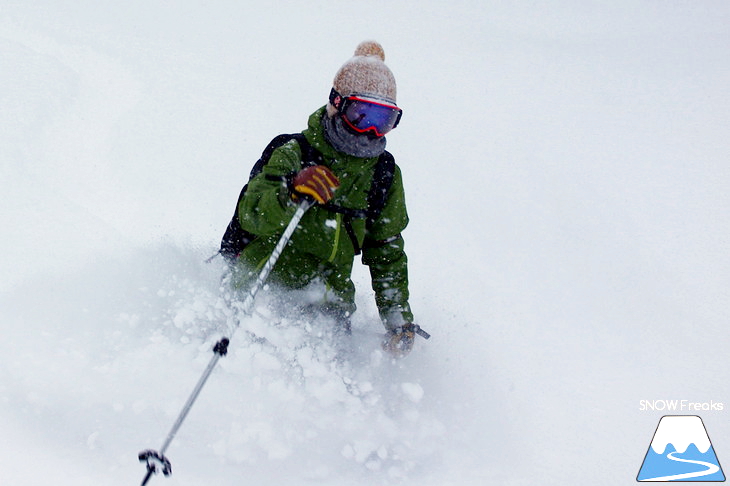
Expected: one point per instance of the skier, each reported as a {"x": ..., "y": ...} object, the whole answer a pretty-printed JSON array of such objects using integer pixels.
[{"x": 348, "y": 137}]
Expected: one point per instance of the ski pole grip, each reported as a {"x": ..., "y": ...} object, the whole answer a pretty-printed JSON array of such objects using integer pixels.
[{"x": 417, "y": 329}]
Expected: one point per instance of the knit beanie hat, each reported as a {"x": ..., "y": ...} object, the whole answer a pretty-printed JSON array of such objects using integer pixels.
[{"x": 366, "y": 73}]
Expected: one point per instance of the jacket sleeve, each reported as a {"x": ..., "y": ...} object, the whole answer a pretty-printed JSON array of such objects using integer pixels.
[
  {"x": 385, "y": 255},
  {"x": 266, "y": 207}
]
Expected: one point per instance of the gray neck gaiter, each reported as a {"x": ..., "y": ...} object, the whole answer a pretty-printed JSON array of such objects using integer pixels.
[{"x": 350, "y": 143}]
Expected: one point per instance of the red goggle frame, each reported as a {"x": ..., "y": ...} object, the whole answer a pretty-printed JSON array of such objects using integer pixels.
[{"x": 367, "y": 115}]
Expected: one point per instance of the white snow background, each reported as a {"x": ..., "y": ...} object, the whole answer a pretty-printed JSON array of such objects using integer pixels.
[{"x": 567, "y": 172}]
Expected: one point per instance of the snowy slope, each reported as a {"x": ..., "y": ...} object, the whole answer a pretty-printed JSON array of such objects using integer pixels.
[{"x": 566, "y": 170}]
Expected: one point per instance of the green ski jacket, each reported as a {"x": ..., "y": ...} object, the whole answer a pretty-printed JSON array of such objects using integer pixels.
[{"x": 321, "y": 248}]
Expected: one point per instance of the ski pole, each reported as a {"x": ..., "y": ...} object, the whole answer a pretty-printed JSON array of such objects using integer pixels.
[{"x": 156, "y": 459}]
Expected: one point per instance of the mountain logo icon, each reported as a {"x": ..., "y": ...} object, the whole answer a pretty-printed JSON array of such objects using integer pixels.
[{"x": 681, "y": 451}]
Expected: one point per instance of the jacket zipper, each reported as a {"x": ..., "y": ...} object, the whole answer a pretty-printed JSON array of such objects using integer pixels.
[{"x": 336, "y": 242}]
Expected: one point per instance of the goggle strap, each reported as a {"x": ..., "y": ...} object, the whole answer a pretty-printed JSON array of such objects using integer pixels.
[{"x": 335, "y": 99}]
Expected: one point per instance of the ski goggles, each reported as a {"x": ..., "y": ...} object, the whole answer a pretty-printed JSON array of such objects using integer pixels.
[{"x": 363, "y": 114}]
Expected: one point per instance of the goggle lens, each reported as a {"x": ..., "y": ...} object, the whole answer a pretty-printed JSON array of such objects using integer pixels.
[{"x": 364, "y": 115}]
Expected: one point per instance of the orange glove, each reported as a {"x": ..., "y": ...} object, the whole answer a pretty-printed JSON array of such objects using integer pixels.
[
  {"x": 317, "y": 182},
  {"x": 399, "y": 342}
]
